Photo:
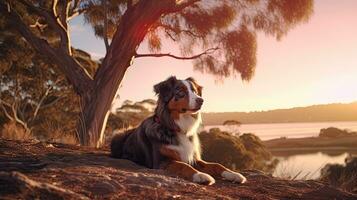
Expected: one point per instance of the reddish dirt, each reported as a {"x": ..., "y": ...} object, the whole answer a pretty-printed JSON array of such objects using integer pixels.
[{"x": 35, "y": 170}]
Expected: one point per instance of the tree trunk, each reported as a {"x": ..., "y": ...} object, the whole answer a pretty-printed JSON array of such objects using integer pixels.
[
  {"x": 95, "y": 110},
  {"x": 97, "y": 102},
  {"x": 97, "y": 95}
]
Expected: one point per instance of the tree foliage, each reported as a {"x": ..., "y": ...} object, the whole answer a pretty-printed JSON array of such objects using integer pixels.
[
  {"x": 34, "y": 93},
  {"x": 227, "y": 27},
  {"x": 220, "y": 37},
  {"x": 131, "y": 114}
]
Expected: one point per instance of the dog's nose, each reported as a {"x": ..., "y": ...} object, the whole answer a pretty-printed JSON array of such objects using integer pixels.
[{"x": 199, "y": 101}]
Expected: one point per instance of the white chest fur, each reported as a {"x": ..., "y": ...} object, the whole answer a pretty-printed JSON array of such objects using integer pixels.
[
  {"x": 188, "y": 124},
  {"x": 189, "y": 149}
]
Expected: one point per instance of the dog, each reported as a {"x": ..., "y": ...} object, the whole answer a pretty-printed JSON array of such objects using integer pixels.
[{"x": 169, "y": 139}]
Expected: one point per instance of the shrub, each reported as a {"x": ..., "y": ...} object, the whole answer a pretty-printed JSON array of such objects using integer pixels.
[
  {"x": 344, "y": 176},
  {"x": 246, "y": 151},
  {"x": 332, "y": 132},
  {"x": 12, "y": 131}
]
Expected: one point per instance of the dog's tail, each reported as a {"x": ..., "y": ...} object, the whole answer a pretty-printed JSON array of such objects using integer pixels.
[{"x": 117, "y": 144}]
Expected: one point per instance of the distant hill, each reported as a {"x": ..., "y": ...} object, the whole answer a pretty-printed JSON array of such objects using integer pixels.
[{"x": 315, "y": 113}]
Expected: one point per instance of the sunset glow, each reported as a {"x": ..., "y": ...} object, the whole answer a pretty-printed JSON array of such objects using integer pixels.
[{"x": 316, "y": 63}]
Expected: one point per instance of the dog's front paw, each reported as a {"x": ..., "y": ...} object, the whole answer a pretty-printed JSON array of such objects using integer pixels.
[
  {"x": 203, "y": 178},
  {"x": 234, "y": 177}
]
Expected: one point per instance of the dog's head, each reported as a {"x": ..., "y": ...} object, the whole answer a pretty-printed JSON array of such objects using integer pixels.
[{"x": 182, "y": 96}]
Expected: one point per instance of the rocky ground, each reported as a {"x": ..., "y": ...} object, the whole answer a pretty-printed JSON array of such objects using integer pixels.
[{"x": 35, "y": 170}]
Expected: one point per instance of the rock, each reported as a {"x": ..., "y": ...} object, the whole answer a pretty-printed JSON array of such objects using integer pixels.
[
  {"x": 61, "y": 171},
  {"x": 16, "y": 184}
]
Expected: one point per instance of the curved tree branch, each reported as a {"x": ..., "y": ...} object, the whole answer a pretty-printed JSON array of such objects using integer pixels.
[
  {"x": 17, "y": 119},
  {"x": 75, "y": 13},
  {"x": 76, "y": 74},
  {"x": 39, "y": 104},
  {"x": 53, "y": 19},
  {"x": 208, "y": 51},
  {"x": 3, "y": 104}
]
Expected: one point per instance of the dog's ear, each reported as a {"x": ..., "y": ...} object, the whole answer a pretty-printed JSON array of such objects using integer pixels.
[
  {"x": 165, "y": 88},
  {"x": 195, "y": 84}
]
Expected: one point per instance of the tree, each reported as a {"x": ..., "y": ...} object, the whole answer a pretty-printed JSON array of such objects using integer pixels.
[
  {"x": 233, "y": 126},
  {"x": 33, "y": 93},
  {"x": 225, "y": 32},
  {"x": 231, "y": 123}
]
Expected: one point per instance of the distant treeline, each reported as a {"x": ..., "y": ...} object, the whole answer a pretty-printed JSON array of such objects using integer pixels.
[{"x": 315, "y": 113}]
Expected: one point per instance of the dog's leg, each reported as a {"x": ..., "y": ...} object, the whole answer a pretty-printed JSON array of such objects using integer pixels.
[
  {"x": 186, "y": 171},
  {"x": 218, "y": 170},
  {"x": 182, "y": 169}
]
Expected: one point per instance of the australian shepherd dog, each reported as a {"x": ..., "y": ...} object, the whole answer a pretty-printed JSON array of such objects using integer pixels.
[{"x": 169, "y": 139}]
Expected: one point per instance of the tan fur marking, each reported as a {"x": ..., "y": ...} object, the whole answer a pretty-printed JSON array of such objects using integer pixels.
[
  {"x": 181, "y": 169},
  {"x": 170, "y": 153},
  {"x": 196, "y": 88},
  {"x": 214, "y": 169},
  {"x": 175, "y": 114}
]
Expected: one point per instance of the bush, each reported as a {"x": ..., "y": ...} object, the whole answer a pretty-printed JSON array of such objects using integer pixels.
[
  {"x": 344, "y": 176},
  {"x": 333, "y": 132},
  {"x": 12, "y": 131},
  {"x": 244, "y": 152}
]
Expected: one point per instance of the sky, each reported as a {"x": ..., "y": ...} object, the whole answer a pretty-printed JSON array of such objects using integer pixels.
[{"x": 316, "y": 63}]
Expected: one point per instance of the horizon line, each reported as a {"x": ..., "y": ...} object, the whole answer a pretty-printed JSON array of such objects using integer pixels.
[{"x": 286, "y": 108}]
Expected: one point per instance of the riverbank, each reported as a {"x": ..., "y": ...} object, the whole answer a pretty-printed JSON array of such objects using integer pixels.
[
  {"x": 290, "y": 146},
  {"x": 288, "y": 130}
]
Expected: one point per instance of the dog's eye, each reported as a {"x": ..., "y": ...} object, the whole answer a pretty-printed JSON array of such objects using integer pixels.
[{"x": 181, "y": 94}]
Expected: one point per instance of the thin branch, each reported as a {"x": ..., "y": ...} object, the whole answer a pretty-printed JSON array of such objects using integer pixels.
[
  {"x": 169, "y": 34},
  {"x": 21, "y": 112},
  {"x": 2, "y": 103},
  {"x": 14, "y": 110},
  {"x": 54, "y": 21},
  {"x": 62, "y": 26},
  {"x": 51, "y": 103},
  {"x": 41, "y": 102},
  {"x": 168, "y": 28},
  {"x": 75, "y": 10},
  {"x": 38, "y": 25},
  {"x": 16, "y": 118},
  {"x": 105, "y": 28},
  {"x": 76, "y": 13},
  {"x": 76, "y": 4},
  {"x": 5, "y": 103},
  {"x": 54, "y": 8},
  {"x": 65, "y": 6},
  {"x": 208, "y": 51}
]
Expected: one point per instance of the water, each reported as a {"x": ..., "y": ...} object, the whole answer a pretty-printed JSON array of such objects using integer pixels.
[
  {"x": 299, "y": 165},
  {"x": 306, "y": 166},
  {"x": 289, "y": 130}
]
